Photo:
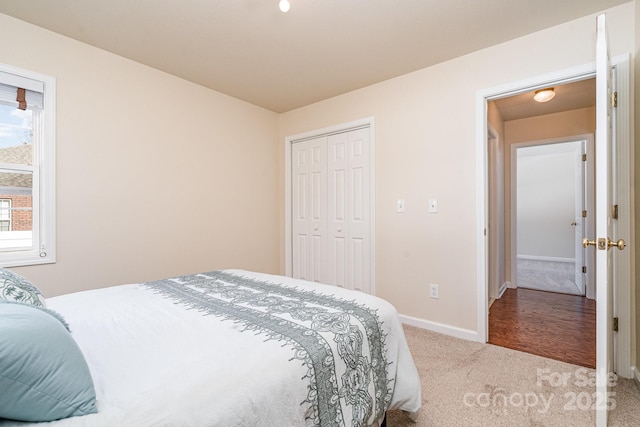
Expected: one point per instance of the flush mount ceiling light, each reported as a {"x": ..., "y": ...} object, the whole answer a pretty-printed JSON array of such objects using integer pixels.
[
  {"x": 284, "y": 5},
  {"x": 544, "y": 95}
]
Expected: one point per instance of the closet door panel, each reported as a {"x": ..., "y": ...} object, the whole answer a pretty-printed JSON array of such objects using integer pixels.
[
  {"x": 299, "y": 177},
  {"x": 359, "y": 212},
  {"x": 338, "y": 210},
  {"x": 309, "y": 171}
]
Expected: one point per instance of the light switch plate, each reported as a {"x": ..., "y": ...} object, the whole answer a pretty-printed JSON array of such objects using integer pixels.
[
  {"x": 434, "y": 291},
  {"x": 433, "y": 205},
  {"x": 400, "y": 206}
]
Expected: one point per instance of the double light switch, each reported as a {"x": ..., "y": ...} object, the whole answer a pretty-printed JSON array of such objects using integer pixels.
[{"x": 432, "y": 207}]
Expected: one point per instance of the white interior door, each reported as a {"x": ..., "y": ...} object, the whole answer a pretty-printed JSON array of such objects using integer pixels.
[{"x": 604, "y": 187}]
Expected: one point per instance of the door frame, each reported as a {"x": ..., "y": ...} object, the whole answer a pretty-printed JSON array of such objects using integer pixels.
[
  {"x": 587, "y": 187},
  {"x": 622, "y": 269},
  {"x": 368, "y": 122}
]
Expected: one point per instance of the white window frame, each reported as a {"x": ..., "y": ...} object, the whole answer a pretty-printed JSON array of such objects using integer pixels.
[
  {"x": 43, "y": 250},
  {"x": 2, "y": 209}
]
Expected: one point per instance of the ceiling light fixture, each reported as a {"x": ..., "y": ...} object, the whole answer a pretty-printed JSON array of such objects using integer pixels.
[
  {"x": 544, "y": 95},
  {"x": 284, "y": 5}
]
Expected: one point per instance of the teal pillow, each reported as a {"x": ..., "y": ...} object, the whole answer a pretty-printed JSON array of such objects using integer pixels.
[
  {"x": 14, "y": 287},
  {"x": 43, "y": 373}
]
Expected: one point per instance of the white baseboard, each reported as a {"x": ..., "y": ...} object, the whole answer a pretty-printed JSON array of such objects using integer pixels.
[
  {"x": 441, "y": 328},
  {"x": 546, "y": 258},
  {"x": 502, "y": 289}
]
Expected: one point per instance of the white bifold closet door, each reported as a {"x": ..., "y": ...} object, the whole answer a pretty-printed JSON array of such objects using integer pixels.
[
  {"x": 332, "y": 209},
  {"x": 309, "y": 215}
]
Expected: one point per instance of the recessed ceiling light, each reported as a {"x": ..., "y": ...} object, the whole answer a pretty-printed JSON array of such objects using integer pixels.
[{"x": 284, "y": 5}]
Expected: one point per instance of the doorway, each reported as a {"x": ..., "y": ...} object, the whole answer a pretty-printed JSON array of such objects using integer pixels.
[
  {"x": 614, "y": 177},
  {"x": 544, "y": 194},
  {"x": 622, "y": 198}
]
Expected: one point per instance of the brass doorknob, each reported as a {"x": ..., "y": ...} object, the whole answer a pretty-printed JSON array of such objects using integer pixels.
[
  {"x": 603, "y": 244},
  {"x": 620, "y": 244}
]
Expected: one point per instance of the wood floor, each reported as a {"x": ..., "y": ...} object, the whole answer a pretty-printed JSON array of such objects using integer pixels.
[{"x": 553, "y": 325}]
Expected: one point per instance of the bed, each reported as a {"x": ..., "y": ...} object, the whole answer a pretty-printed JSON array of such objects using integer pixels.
[{"x": 223, "y": 348}]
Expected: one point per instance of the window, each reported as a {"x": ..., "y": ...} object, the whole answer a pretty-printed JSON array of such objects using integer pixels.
[
  {"x": 5, "y": 214},
  {"x": 27, "y": 167}
]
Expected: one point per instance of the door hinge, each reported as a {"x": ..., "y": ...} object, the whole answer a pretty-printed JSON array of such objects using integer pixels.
[
  {"x": 584, "y": 157},
  {"x": 584, "y": 214},
  {"x": 584, "y": 269},
  {"x": 615, "y": 324},
  {"x": 614, "y": 99},
  {"x": 614, "y": 212}
]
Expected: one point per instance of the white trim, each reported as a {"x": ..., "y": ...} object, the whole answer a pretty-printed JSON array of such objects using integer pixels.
[
  {"x": 440, "y": 328},
  {"x": 288, "y": 141},
  {"x": 503, "y": 289},
  {"x": 546, "y": 258},
  {"x": 621, "y": 63},
  {"x": 482, "y": 203}
]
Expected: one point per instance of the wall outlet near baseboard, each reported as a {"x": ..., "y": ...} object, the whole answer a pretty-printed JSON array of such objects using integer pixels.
[{"x": 434, "y": 291}]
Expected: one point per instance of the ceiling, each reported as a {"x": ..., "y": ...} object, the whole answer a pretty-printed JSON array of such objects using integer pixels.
[
  {"x": 571, "y": 96},
  {"x": 250, "y": 50}
]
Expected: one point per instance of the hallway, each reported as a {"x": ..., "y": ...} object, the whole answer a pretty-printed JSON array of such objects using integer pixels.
[{"x": 548, "y": 324}]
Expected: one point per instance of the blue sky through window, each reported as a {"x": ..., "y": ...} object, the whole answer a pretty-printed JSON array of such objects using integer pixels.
[{"x": 15, "y": 126}]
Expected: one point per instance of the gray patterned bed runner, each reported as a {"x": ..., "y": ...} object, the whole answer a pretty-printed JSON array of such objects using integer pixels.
[{"x": 318, "y": 328}]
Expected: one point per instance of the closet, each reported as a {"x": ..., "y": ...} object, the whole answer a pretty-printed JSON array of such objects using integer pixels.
[{"x": 331, "y": 209}]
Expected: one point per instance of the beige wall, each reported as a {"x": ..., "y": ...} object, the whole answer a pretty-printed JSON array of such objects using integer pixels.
[
  {"x": 156, "y": 176},
  {"x": 558, "y": 125},
  {"x": 425, "y": 147}
]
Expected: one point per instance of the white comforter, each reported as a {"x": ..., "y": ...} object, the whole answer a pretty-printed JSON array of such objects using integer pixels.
[{"x": 158, "y": 362}]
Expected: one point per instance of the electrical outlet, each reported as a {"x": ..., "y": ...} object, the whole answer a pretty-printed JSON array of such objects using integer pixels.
[{"x": 433, "y": 291}]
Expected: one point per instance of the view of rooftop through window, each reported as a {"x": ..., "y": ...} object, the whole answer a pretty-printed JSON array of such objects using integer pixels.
[{"x": 16, "y": 181}]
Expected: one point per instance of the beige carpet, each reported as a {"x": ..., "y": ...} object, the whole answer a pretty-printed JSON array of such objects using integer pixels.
[{"x": 466, "y": 383}]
